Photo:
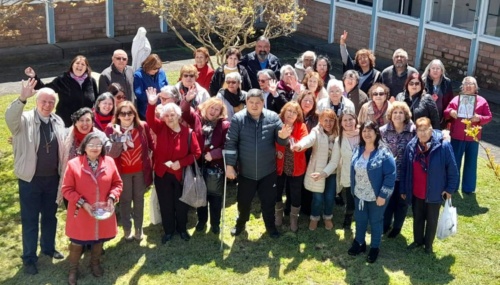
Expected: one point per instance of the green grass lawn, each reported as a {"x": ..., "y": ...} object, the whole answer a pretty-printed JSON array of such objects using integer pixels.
[{"x": 319, "y": 257}]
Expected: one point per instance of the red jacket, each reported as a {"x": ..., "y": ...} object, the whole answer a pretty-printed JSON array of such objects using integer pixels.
[
  {"x": 299, "y": 158},
  {"x": 80, "y": 182},
  {"x": 171, "y": 146}
]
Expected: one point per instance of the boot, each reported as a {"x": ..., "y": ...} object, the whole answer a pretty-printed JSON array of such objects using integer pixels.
[
  {"x": 294, "y": 218},
  {"x": 278, "y": 214},
  {"x": 347, "y": 221},
  {"x": 328, "y": 224},
  {"x": 313, "y": 224},
  {"x": 95, "y": 260},
  {"x": 75, "y": 252}
]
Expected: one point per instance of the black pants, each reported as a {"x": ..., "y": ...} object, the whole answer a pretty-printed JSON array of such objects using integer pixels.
[
  {"x": 349, "y": 201},
  {"x": 173, "y": 211},
  {"x": 215, "y": 205},
  {"x": 293, "y": 186},
  {"x": 397, "y": 208},
  {"x": 266, "y": 189},
  {"x": 425, "y": 220}
]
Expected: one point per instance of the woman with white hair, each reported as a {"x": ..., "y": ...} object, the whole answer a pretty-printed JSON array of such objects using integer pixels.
[
  {"x": 335, "y": 100},
  {"x": 462, "y": 144},
  {"x": 179, "y": 149},
  {"x": 439, "y": 86},
  {"x": 305, "y": 64},
  {"x": 232, "y": 96},
  {"x": 168, "y": 94},
  {"x": 288, "y": 83}
]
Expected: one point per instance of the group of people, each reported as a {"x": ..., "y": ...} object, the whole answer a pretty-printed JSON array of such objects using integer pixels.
[{"x": 293, "y": 131}]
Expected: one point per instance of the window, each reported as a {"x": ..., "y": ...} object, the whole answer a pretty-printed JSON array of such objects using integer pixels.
[
  {"x": 456, "y": 13},
  {"x": 404, "y": 7},
  {"x": 493, "y": 20},
  {"x": 361, "y": 2}
]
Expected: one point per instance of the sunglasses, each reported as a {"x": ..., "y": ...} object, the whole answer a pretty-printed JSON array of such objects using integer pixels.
[
  {"x": 378, "y": 94},
  {"x": 232, "y": 82},
  {"x": 412, "y": 83},
  {"x": 121, "y": 58},
  {"x": 126, "y": 114},
  {"x": 188, "y": 75},
  {"x": 120, "y": 97},
  {"x": 263, "y": 80}
]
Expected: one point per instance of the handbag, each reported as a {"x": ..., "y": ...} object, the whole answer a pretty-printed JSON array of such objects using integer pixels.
[
  {"x": 154, "y": 208},
  {"x": 447, "y": 223},
  {"x": 194, "y": 190},
  {"x": 214, "y": 180}
]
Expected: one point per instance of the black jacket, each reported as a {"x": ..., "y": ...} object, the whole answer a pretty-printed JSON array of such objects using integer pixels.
[
  {"x": 72, "y": 96},
  {"x": 421, "y": 105},
  {"x": 252, "y": 64},
  {"x": 126, "y": 80},
  {"x": 219, "y": 77}
]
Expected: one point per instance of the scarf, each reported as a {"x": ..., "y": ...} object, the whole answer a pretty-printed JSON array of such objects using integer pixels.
[
  {"x": 378, "y": 115},
  {"x": 283, "y": 86},
  {"x": 421, "y": 155},
  {"x": 101, "y": 121},
  {"x": 234, "y": 99},
  {"x": 127, "y": 134},
  {"x": 79, "y": 79},
  {"x": 208, "y": 130},
  {"x": 79, "y": 136}
]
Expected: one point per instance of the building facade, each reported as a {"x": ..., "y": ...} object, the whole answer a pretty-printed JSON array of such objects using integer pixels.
[{"x": 464, "y": 34}]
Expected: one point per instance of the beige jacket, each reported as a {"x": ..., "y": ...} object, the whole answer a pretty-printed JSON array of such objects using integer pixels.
[
  {"x": 322, "y": 145},
  {"x": 341, "y": 161},
  {"x": 25, "y": 129}
]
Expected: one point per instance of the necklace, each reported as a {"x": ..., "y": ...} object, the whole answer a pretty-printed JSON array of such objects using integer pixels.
[{"x": 47, "y": 142}]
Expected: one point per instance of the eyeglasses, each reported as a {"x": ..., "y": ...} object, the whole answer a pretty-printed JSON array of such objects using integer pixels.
[
  {"x": 335, "y": 92},
  {"x": 188, "y": 75},
  {"x": 157, "y": 68},
  {"x": 378, "y": 94},
  {"x": 94, "y": 146},
  {"x": 469, "y": 83},
  {"x": 414, "y": 83},
  {"x": 121, "y": 58},
  {"x": 125, "y": 114},
  {"x": 232, "y": 82},
  {"x": 308, "y": 101},
  {"x": 120, "y": 97},
  {"x": 165, "y": 98}
]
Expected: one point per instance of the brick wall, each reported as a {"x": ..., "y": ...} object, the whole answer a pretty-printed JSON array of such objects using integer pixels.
[
  {"x": 29, "y": 29},
  {"x": 453, "y": 52},
  {"x": 315, "y": 23},
  {"x": 79, "y": 21},
  {"x": 393, "y": 35},
  {"x": 356, "y": 24},
  {"x": 129, "y": 18},
  {"x": 488, "y": 66}
]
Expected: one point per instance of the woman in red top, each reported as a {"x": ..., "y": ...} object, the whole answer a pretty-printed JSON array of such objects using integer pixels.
[
  {"x": 290, "y": 165},
  {"x": 134, "y": 142},
  {"x": 104, "y": 109},
  {"x": 172, "y": 153},
  {"x": 205, "y": 72},
  {"x": 89, "y": 178}
]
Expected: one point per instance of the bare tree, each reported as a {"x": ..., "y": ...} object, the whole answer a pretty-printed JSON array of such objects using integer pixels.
[{"x": 230, "y": 22}]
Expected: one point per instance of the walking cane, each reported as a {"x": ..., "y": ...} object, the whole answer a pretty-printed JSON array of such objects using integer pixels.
[{"x": 223, "y": 202}]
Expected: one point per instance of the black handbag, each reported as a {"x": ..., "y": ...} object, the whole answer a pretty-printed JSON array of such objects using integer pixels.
[{"x": 214, "y": 180}]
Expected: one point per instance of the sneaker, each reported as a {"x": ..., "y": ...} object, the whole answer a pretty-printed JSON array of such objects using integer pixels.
[
  {"x": 236, "y": 231},
  {"x": 127, "y": 235}
]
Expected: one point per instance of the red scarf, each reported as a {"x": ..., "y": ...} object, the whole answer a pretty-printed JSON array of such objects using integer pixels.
[
  {"x": 101, "y": 121},
  {"x": 79, "y": 136},
  {"x": 378, "y": 115}
]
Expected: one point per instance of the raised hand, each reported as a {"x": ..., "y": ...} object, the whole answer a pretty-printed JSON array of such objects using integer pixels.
[
  {"x": 152, "y": 95},
  {"x": 343, "y": 37},
  {"x": 273, "y": 85},
  {"x": 191, "y": 94},
  {"x": 285, "y": 131},
  {"x": 30, "y": 72},
  {"x": 27, "y": 89}
]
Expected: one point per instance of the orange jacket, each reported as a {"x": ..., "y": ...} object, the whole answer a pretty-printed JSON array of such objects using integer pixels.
[
  {"x": 80, "y": 182},
  {"x": 299, "y": 158}
]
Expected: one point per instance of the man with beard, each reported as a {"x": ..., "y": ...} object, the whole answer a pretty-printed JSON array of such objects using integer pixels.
[
  {"x": 260, "y": 59},
  {"x": 395, "y": 75}
]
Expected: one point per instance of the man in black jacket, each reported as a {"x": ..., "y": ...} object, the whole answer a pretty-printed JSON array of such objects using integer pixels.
[
  {"x": 259, "y": 59},
  {"x": 250, "y": 144}
]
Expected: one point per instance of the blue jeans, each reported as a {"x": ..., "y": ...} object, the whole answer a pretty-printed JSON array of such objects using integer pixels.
[
  {"x": 373, "y": 214},
  {"x": 322, "y": 203},
  {"x": 469, "y": 175},
  {"x": 38, "y": 197}
]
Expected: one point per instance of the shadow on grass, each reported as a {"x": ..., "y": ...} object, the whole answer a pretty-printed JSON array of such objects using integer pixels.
[{"x": 467, "y": 205}]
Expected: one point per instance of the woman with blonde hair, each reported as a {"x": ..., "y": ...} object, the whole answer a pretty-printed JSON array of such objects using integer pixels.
[
  {"x": 318, "y": 179},
  {"x": 291, "y": 165},
  {"x": 134, "y": 144},
  {"x": 210, "y": 126}
]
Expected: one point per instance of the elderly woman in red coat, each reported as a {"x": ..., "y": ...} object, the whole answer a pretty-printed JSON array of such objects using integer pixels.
[
  {"x": 291, "y": 165},
  {"x": 89, "y": 178}
]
